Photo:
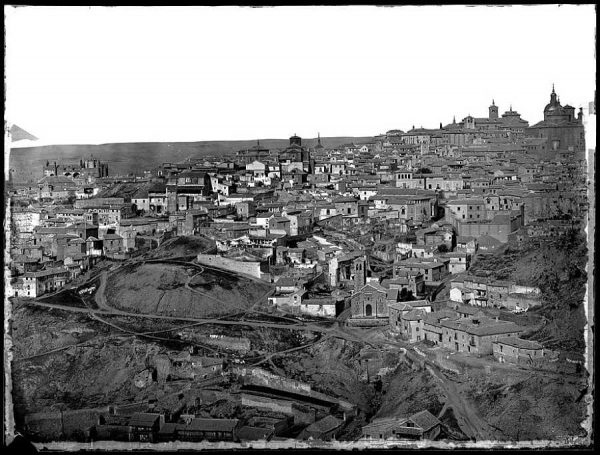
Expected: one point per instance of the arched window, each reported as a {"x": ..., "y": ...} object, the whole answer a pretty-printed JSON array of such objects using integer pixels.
[{"x": 368, "y": 310}]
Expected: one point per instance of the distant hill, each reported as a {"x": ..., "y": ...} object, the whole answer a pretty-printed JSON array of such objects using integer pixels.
[{"x": 135, "y": 157}]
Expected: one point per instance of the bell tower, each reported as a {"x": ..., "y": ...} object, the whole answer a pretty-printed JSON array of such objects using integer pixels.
[{"x": 493, "y": 109}]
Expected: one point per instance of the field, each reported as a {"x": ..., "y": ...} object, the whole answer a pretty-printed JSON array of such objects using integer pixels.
[
  {"x": 126, "y": 158},
  {"x": 177, "y": 290}
]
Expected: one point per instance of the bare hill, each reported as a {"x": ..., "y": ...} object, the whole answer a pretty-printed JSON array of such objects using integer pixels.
[{"x": 176, "y": 290}]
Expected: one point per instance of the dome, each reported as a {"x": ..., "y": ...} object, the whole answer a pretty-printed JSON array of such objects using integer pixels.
[{"x": 552, "y": 107}]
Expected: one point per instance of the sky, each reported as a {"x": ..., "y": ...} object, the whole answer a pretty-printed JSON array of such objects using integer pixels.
[{"x": 128, "y": 74}]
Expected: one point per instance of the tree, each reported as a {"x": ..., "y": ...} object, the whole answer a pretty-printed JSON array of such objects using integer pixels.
[{"x": 443, "y": 248}]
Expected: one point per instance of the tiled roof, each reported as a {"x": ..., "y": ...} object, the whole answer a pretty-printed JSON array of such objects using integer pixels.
[
  {"x": 414, "y": 315},
  {"x": 213, "y": 424},
  {"x": 324, "y": 425},
  {"x": 519, "y": 343},
  {"x": 143, "y": 419},
  {"x": 425, "y": 419}
]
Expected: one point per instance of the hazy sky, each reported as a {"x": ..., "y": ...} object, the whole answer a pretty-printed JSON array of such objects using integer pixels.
[{"x": 100, "y": 74}]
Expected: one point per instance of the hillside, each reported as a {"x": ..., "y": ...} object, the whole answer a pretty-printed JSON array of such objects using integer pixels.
[
  {"x": 176, "y": 290},
  {"x": 559, "y": 270},
  {"x": 135, "y": 157}
]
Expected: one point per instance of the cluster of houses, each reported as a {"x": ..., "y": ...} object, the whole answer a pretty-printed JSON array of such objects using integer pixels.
[{"x": 325, "y": 225}]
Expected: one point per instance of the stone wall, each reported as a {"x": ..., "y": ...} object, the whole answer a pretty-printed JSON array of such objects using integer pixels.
[
  {"x": 285, "y": 407},
  {"x": 247, "y": 268},
  {"x": 262, "y": 377}
]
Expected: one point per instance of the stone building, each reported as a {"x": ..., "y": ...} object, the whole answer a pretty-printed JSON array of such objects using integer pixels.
[{"x": 560, "y": 129}]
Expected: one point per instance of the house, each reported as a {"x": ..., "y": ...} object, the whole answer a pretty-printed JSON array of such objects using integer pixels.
[
  {"x": 411, "y": 327},
  {"x": 199, "y": 429},
  {"x": 406, "y": 281},
  {"x": 432, "y": 327},
  {"x": 277, "y": 425},
  {"x": 466, "y": 244},
  {"x": 323, "y": 307},
  {"x": 141, "y": 200},
  {"x": 516, "y": 350},
  {"x": 112, "y": 243},
  {"x": 422, "y": 425},
  {"x": 325, "y": 429},
  {"x": 433, "y": 272},
  {"x": 144, "y": 426},
  {"x": 346, "y": 206},
  {"x": 94, "y": 246},
  {"x": 288, "y": 284},
  {"x": 38, "y": 283},
  {"x": 289, "y": 301},
  {"x": 396, "y": 310},
  {"x": 245, "y": 209},
  {"x": 203, "y": 367},
  {"x": 459, "y": 261},
  {"x": 476, "y": 334}
]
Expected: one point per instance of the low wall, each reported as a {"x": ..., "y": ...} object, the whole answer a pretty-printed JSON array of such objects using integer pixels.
[
  {"x": 367, "y": 322},
  {"x": 248, "y": 268},
  {"x": 446, "y": 364},
  {"x": 223, "y": 341}
]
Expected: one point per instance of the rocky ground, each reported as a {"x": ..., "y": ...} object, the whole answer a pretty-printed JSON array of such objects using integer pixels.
[{"x": 528, "y": 405}]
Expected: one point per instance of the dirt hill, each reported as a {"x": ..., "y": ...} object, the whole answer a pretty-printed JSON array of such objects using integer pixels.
[{"x": 176, "y": 290}]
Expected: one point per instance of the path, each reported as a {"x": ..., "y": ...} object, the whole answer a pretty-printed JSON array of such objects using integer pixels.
[{"x": 113, "y": 312}]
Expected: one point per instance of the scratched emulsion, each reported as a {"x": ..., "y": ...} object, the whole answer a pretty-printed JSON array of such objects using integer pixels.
[{"x": 422, "y": 288}]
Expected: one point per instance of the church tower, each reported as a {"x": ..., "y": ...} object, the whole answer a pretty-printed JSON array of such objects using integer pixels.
[{"x": 493, "y": 111}]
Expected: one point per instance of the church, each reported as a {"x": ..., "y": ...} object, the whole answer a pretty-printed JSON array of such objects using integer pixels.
[{"x": 560, "y": 129}]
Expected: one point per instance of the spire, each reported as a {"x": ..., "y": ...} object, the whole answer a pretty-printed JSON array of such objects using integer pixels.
[
  {"x": 319, "y": 138},
  {"x": 493, "y": 103},
  {"x": 454, "y": 119},
  {"x": 553, "y": 96}
]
